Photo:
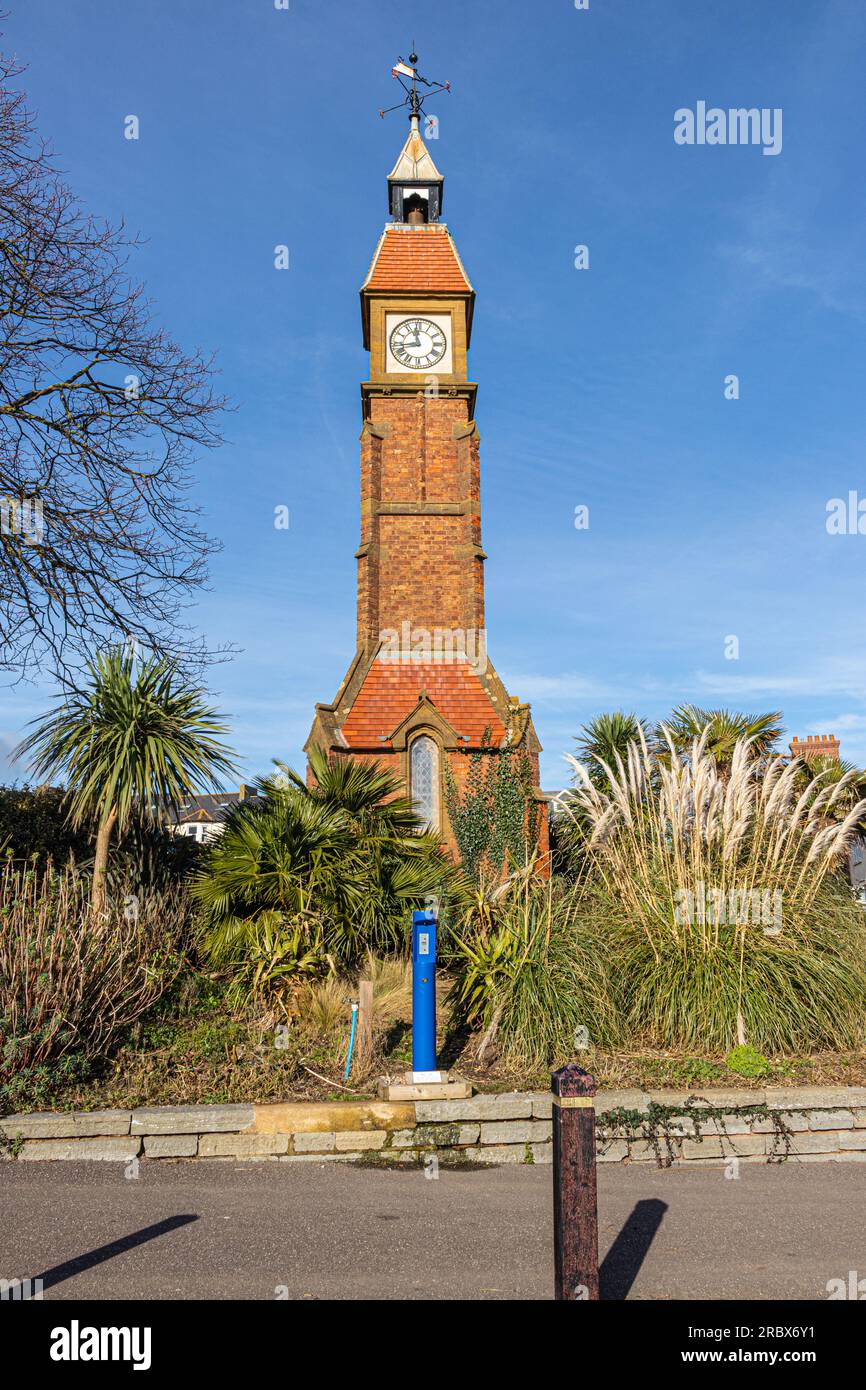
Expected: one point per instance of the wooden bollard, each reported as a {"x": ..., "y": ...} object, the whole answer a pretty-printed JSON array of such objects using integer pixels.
[
  {"x": 365, "y": 1023},
  {"x": 575, "y": 1196}
]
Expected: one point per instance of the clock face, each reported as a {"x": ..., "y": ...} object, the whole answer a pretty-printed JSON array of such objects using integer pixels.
[{"x": 417, "y": 344}]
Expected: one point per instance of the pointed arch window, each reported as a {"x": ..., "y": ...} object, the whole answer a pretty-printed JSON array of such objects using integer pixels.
[{"x": 424, "y": 779}]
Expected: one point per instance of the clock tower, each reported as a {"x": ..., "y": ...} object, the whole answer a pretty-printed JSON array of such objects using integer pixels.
[{"x": 421, "y": 693}]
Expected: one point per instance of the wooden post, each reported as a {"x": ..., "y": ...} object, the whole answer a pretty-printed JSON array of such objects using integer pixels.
[
  {"x": 364, "y": 1043},
  {"x": 575, "y": 1198}
]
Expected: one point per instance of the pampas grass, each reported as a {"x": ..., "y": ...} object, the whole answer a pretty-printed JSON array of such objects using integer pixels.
[{"x": 663, "y": 831}]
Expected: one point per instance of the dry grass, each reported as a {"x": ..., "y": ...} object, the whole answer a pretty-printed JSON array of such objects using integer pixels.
[
  {"x": 392, "y": 990},
  {"x": 323, "y": 1005}
]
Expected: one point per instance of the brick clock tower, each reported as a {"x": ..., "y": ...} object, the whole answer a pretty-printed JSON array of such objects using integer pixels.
[{"x": 421, "y": 690}]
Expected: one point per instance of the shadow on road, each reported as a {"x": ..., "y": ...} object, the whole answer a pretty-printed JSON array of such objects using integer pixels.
[
  {"x": 69, "y": 1268},
  {"x": 620, "y": 1266}
]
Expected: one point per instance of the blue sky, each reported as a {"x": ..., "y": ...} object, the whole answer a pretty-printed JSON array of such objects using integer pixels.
[{"x": 602, "y": 387}]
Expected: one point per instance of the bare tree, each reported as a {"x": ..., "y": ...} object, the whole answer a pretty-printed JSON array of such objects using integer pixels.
[{"x": 101, "y": 415}]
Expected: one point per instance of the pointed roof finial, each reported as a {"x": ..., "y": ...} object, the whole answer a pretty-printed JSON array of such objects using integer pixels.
[
  {"x": 414, "y": 162},
  {"x": 415, "y": 102}
]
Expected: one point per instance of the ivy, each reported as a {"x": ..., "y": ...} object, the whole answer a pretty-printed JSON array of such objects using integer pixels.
[
  {"x": 494, "y": 818},
  {"x": 661, "y": 1125}
]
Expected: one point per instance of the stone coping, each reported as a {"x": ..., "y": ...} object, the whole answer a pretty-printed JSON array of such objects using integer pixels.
[{"x": 791, "y": 1122}]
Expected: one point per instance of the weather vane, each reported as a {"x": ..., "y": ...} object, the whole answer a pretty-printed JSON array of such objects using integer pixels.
[{"x": 413, "y": 99}]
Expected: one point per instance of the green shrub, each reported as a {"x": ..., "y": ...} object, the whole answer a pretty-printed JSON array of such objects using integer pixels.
[
  {"x": 534, "y": 975},
  {"x": 308, "y": 875},
  {"x": 746, "y": 1061},
  {"x": 34, "y": 824},
  {"x": 276, "y": 952}
]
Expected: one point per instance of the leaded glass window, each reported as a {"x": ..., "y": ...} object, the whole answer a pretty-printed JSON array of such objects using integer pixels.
[{"x": 424, "y": 779}]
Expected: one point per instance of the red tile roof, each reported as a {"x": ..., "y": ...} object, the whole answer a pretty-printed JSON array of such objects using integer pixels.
[
  {"x": 391, "y": 691},
  {"x": 419, "y": 260}
]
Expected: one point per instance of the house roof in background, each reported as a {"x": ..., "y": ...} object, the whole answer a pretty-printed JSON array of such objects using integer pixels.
[{"x": 210, "y": 808}]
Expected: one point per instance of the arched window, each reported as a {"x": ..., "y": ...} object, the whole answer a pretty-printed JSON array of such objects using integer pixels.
[{"x": 424, "y": 779}]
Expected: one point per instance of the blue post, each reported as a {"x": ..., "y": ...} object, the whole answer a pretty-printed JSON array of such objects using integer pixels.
[
  {"x": 423, "y": 992},
  {"x": 351, "y": 1040}
]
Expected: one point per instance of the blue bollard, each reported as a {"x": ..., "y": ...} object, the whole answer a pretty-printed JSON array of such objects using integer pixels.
[{"x": 424, "y": 993}]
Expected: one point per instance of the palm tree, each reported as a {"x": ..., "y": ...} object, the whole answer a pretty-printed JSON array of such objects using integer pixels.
[
  {"x": 687, "y": 723},
  {"x": 600, "y": 744},
  {"x": 363, "y": 791},
  {"x": 345, "y": 858},
  {"x": 136, "y": 740},
  {"x": 848, "y": 783},
  {"x": 605, "y": 737}
]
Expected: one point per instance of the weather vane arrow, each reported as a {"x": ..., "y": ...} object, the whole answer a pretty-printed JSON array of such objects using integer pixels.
[{"x": 406, "y": 74}]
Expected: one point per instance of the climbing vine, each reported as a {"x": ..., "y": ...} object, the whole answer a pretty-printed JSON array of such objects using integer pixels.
[
  {"x": 494, "y": 818},
  {"x": 661, "y": 1125}
]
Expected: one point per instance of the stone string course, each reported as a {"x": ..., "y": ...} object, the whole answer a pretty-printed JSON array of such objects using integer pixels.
[{"x": 826, "y": 1123}]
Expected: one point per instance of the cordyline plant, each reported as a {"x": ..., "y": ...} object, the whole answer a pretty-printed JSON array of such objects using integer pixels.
[
  {"x": 687, "y": 859},
  {"x": 137, "y": 740}
]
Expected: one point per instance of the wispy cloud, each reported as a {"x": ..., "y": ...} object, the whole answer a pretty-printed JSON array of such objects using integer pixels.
[
  {"x": 824, "y": 677},
  {"x": 778, "y": 248},
  {"x": 567, "y": 686}
]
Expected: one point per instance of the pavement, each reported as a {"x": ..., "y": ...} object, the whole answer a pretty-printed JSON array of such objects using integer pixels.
[{"x": 245, "y": 1230}]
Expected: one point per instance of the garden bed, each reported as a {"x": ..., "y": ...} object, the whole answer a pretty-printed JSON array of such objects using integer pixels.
[{"x": 198, "y": 1054}]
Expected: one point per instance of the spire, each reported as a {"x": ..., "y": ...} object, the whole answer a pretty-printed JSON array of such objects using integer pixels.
[{"x": 414, "y": 162}]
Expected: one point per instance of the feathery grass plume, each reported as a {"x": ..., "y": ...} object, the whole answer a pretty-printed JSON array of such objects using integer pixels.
[{"x": 722, "y": 893}]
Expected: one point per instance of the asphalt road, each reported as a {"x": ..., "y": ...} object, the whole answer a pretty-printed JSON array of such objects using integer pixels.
[{"x": 327, "y": 1231}]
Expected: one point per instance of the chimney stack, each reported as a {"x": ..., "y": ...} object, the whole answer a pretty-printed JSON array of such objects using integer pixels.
[{"x": 815, "y": 746}]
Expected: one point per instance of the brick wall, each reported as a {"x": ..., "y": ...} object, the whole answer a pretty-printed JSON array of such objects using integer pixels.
[
  {"x": 815, "y": 746},
  {"x": 419, "y": 560}
]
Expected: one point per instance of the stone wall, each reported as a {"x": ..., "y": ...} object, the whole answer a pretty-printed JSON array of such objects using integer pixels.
[{"x": 798, "y": 1124}]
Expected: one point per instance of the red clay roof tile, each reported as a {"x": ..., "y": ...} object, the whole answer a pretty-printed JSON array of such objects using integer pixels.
[
  {"x": 422, "y": 259},
  {"x": 391, "y": 691}
]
